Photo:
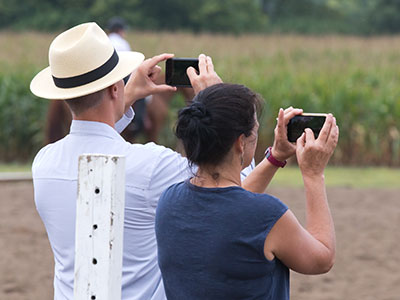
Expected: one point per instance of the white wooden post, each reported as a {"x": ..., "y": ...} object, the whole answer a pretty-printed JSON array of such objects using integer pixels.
[{"x": 99, "y": 227}]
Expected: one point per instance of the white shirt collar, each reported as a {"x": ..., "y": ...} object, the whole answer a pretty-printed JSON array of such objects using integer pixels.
[{"x": 79, "y": 127}]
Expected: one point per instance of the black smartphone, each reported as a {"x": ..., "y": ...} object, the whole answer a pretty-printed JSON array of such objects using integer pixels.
[
  {"x": 175, "y": 71},
  {"x": 298, "y": 123}
]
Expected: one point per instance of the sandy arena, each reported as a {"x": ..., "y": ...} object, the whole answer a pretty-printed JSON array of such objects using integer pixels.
[{"x": 367, "y": 264}]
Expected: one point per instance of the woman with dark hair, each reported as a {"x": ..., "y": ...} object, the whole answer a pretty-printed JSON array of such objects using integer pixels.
[{"x": 220, "y": 238}]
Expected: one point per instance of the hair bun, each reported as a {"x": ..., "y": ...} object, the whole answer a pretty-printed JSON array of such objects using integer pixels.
[
  {"x": 198, "y": 110},
  {"x": 192, "y": 118}
]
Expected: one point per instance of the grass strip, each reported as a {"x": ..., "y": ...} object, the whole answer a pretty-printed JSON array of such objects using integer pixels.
[{"x": 368, "y": 177}]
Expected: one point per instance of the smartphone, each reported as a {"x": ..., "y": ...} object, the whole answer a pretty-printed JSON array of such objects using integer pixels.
[
  {"x": 298, "y": 123},
  {"x": 175, "y": 71}
]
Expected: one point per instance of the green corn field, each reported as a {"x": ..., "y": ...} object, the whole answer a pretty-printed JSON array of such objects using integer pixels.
[{"x": 356, "y": 79}]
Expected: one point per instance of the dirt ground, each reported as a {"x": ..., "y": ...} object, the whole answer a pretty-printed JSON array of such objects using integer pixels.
[{"x": 367, "y": 263}]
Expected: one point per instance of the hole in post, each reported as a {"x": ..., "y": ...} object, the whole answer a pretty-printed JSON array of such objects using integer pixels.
[
  {"x": 97, "y": 190},
  {"x": 94, "y": 261},
  {"x": 95, "y": 226},
  {"x": 93, "y": 297}
]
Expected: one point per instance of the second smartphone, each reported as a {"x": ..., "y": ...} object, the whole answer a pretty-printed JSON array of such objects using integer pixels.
[{"x": 298, "y": 123}]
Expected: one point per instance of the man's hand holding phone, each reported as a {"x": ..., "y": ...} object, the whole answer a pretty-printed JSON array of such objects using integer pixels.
[
  {"x": 206, "y": 77},
  {"x": 142, "y": 81}
]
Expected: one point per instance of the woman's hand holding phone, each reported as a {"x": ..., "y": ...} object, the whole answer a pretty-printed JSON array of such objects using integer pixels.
[
  {"x": 313, "y": 154},
  {"x": 282, "y": 149}
]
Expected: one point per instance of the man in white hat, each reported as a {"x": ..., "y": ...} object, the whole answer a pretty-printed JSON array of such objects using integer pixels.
[{"x": 88, "y": 73}]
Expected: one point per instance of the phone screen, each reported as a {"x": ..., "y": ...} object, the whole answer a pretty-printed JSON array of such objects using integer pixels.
[
  {"x": 175, "y": 71},
  {"x": 298, "y": 123}
]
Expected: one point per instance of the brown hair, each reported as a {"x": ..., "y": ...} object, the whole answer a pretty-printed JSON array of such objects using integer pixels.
[{"x": 81, "y": 104}]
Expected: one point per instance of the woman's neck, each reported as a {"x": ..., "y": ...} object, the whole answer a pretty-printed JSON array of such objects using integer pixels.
[{"x": 221, "y": 176}]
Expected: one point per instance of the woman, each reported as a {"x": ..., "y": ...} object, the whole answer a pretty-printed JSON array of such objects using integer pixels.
[{"x": 217, "y": 240}]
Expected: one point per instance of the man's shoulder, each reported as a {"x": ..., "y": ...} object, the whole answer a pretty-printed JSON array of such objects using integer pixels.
[
  {"x": 153, "y": 150},
  {"x": 160, "y": 165},
  {"x": 48, "y": 158},
  {"x": 154, "y": 156},
  {"x": 44, "y": 152}
]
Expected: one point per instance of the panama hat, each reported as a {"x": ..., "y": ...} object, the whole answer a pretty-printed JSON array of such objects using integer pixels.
[{"x": 82, "y": 61}]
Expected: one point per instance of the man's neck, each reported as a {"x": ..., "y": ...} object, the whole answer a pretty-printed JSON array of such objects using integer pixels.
[{"x": 96, "y": 116}]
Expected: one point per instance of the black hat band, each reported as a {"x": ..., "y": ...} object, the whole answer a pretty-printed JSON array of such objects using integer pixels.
[{"x": 79, "y": 80}]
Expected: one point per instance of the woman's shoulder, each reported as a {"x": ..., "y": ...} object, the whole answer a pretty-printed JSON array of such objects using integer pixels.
[
  {"x": 263, "y": 201},
  {"x": 174, "y": 189}
]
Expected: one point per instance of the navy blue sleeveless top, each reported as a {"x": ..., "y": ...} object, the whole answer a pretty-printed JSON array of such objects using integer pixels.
[{"x": 211, "y": 244}]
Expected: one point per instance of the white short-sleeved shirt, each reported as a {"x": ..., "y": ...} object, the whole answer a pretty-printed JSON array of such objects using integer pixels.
[{"x": 150, "y": 169}]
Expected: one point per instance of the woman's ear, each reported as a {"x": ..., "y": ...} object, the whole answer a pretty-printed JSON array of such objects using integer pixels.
[{"x": 240, "y": 143}]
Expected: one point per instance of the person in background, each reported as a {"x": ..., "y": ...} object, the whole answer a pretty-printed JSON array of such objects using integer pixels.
[
  {"x": 141, "y": 124},
  {"x": 152, "y": 112},
  {"x": 217, "y": 240},
  {"x": 117, "y": 34}
]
